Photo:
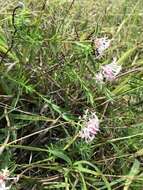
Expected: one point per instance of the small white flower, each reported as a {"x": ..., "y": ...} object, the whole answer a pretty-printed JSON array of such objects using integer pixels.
[
  {"x": 4, "y": 174},
  {"x": 101, "y": 45},
  {"x": 99, "y": 78},
  {"x": 111, "y": 70},
  {"x": 3, "y": 186},
  {"x": 91, "y": 126}
]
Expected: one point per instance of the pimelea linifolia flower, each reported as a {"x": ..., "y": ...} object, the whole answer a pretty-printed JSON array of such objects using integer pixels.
[
  {"x": 91, "y": 126},
  {"x": 111, "y": 70},
  {"x": 101, "y": 45},
  {"x": 99, "y": 77},
  {"x": 4, "y": 174},
  {"x": 108, "y": 72},
  {"x": 5, "y": 177}
]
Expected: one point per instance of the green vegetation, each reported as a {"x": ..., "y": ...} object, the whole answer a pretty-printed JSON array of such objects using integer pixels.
[{"x": 48, "y": 73}]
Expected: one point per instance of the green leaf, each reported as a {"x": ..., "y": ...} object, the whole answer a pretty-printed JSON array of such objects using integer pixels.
[
  {"x": 31, "y": 117},
  {"x": 54, "y": 185},
  {"x": 133, "y": 172},
  {"x": 84, "y": 187},
  {"x": 97, "y": 173},
  {"x": 61, "y": 154},
  {"x": 126, "y": 55}
]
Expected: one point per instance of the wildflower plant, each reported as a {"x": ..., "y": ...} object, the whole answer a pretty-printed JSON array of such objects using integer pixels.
[
  {"x": 90, "y": 128},
  {"x": 56, "y": 53}
]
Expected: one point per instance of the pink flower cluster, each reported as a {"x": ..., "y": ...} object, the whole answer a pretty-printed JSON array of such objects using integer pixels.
[
  {"x": 101, "y": 45},
  {"x": 4, "y": 177},
  {"x": 108, "y": 72},
  {"x": 91, "y": 126},
  {"x": 4, "y": 174}
]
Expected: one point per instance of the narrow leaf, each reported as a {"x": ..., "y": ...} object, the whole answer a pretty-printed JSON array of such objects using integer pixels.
[{"x": 133, "y": 172}]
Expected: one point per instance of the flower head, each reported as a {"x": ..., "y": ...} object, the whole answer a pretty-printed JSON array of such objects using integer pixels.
[
  {"x": 108, "y": 72},
  {"x": 5, "y": 178},
  {"x": 99, "y": 77},
  {"x": 4, "y": 174},
  {"x": 3, "y": 186},
  {"x": 111, "y": 70},
  {"x": 101, "y": 45},
  {"x": 91, "y": 126}
]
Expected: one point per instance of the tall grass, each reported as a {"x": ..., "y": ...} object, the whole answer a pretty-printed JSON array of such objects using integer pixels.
[{"x": 48, "y": 68}]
